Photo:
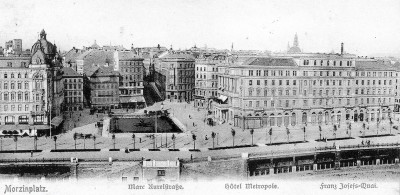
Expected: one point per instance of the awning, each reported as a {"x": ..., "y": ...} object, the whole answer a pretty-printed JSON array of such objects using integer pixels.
[
  {"x": 223, "y": 98},
  {"x": 131, "y": 99},
  {"x": 56, "y": 121}
]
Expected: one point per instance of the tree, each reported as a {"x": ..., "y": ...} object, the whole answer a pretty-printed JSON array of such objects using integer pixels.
[
  {"x": 113, "y": 138},
  {"x": 75, "y": 137},
  {"x": 94, "y": 141},
  {"x": 304, "y": 130},
  {"x": 173, "y": 139},
  {"x": 55, "y": 142},
  {"x": 35, "y": 139},
  {"x": 349, "y": 129},
  {"x": 288, "y": 134},
  {"x": 320, "y": 132},
  {"x": 194, "y": 141},
  {"x": 391, "y": 125},
  {"x": 334, "y": 130},
  {"x": 84, "y": 142},
  {"x": 213, "y": 137},
  {"x": 154, "y": 141},
  {"x": 134, "y": 140},
  {"x": 270, "y": 135},
  {"x": 233, "y": 136},
  {"x": 16, "y": 141},
  {"x": 363, "y": 126},
  {"x": 251, "y": 133}
]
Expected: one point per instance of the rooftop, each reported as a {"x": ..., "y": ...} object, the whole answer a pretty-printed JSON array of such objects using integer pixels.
[
  {"x": 69, "y": 72},
  {"x": 270, "y": 61},
  {"x": 373, "y": 65}
]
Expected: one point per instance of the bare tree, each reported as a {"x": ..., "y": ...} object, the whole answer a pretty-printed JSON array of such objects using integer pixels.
[
  {"x": 16, "y": 141},
  {"x": 252, "y": 135},
  {"x": 173, "y": 139},
  {"x": 233, "y": 136},
  {"x": 213, "y": 137},
  {"x": 113, "y": 138},
  {"x": 134, "y": 140},
  {"x": 194, "y": 141},
  {"x": 55, "y": 142}
]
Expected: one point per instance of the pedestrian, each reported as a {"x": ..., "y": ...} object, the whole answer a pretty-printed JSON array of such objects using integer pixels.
[
  {"x": 140, "y": 140},
  {"x": 31, "y": 153},
  {"x": 206, "y": 138},
  {"x": 191, "y": 156},
  {"x": 362, "y": 142},
  {"x": 193, "y": 124}
]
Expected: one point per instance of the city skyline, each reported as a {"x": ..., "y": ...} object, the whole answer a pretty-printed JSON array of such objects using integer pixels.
[{"x": 256, "y": 25}]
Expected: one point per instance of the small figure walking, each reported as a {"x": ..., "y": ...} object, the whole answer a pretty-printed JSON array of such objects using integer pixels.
[
  {"x": 31, "y": 153},
  {"x": 191, "y": 156}
]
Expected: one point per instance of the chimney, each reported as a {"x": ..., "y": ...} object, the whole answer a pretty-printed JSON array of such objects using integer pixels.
[{"x": 341, "y": 49}]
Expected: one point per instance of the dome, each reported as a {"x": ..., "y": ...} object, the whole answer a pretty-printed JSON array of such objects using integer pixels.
[
  {"x": 44, "y": 45},
  {"x": 294, "y": 50}
]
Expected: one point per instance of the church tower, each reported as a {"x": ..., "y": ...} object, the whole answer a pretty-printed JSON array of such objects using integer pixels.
[{"x": 296, "y": 41}]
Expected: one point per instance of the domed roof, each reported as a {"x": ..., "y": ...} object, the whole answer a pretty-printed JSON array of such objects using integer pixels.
[
  {"x": 294, "y": 50},
  {"x": 44, "y": 45}
]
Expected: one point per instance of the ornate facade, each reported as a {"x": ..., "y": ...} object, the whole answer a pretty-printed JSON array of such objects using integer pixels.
[{"x": 31, "y": 90}]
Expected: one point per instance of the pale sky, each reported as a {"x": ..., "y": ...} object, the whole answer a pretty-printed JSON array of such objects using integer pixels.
[{"x": 365, "y": 26}]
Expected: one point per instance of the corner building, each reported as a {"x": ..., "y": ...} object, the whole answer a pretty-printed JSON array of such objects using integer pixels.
[{"x": 305, "y": 89}]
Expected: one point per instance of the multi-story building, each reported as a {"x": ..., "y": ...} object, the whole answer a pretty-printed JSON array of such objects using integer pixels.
[
  {"x": 174, "y": 76},
  {"x": 206, "y": 81},
  {"x": 73, "y": 89},
  {"x": 29, "y": 86},
  {"x": 13, "y": 47},
  {"x": 304, "y": 89},
  {"x": 132, "y": 71},
  {"x": 104, "y": 86},
  {"x": 91, "y": 59}
]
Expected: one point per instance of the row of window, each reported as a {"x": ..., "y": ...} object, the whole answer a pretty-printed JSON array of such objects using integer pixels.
[
  {"x": 326, "y": 73},
  {"x": 272, "y": 73},
  {"x": 74, "y": 93},
  {"x": 73, "y": 100},
  {"x": 19, "y": 107},
  {"x": 181, "y": 87},
  {"x": 368, "y": 82},
  {"x": 327, "y": 63},
  {"x": 132, "y": 70},
  {"x": 19, "y": 96},
  {"x": 204, "y": 69},
  {"x": 374, "y": 74},
  {"x": 315, "y": 102},
  {"x": 126, "y": 63},
  {"x": 72, "y": 80},
  {"x": 201, "y": 76},
  {"x": 272, "y": 92},
  {"x": 191, "y": 65},
  {"x": 12, "y": 75},
  {"x": 134, "y": 77},
  {"x": 105, "y": 86},
  {"x": 72, "y": 86},
  {"x": 11, "y": 85}
]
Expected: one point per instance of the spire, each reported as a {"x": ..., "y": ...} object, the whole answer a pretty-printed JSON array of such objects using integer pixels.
[
  {"x": 43, "y": 34},
  {"x": 296, "y": 41}
]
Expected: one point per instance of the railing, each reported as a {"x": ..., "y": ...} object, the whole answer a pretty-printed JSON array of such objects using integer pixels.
[{"x": 35, "y": 160}]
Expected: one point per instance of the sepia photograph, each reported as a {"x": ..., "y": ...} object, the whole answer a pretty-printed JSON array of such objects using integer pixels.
[{"x": 200, "y": 97}]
